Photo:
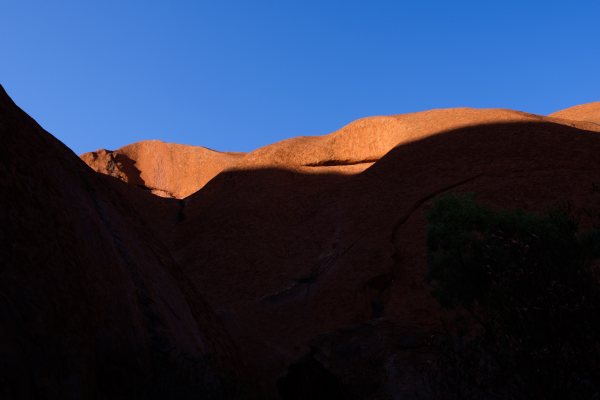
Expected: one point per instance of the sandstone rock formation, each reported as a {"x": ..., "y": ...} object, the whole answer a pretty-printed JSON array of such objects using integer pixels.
[
  {"x": 177, "y": 171},
  {"x": 309, "y": 253}
]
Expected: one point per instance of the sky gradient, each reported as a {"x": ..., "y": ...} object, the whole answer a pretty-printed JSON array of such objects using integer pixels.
[{"x": 237, "y": 75}]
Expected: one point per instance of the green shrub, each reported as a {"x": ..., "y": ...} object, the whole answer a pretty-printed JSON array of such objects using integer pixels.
[{"x": 529, "y": 285}]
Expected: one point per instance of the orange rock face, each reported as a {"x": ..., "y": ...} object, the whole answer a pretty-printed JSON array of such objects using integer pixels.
[
  {"x": 177, "y": 171},
  {"x": 298, "y": 266},
  {"x": 166, "y": 169},
  {"x": 585, "y": 112}
]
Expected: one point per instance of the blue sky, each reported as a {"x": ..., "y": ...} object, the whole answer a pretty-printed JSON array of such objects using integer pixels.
[{"x": 236, "y": 75}]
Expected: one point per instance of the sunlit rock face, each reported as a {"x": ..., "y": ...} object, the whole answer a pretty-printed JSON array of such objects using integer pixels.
[
  {"x": 177, "y": 171},
  {"x": 165, "y": 169},
  {"x": 589, "y": 112},
  {"x": 297, "y": 268}
]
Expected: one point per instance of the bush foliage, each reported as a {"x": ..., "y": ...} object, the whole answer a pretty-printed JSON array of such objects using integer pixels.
[{"x": 529, "y": 284}]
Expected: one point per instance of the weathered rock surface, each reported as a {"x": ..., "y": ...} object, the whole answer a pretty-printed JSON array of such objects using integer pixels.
[
  {"x": 310, "y": 251},
  {"x": 166, "y": 169}
]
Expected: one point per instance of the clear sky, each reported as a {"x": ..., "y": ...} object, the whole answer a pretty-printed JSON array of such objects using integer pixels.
[{"x": 236, "y": 75}]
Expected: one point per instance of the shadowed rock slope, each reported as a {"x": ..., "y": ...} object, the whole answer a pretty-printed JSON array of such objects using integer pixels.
[
  {"x": 92, "y": 305},
  {"x": 310, "y": 251},
  {"x": 333, "y": 266}
]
